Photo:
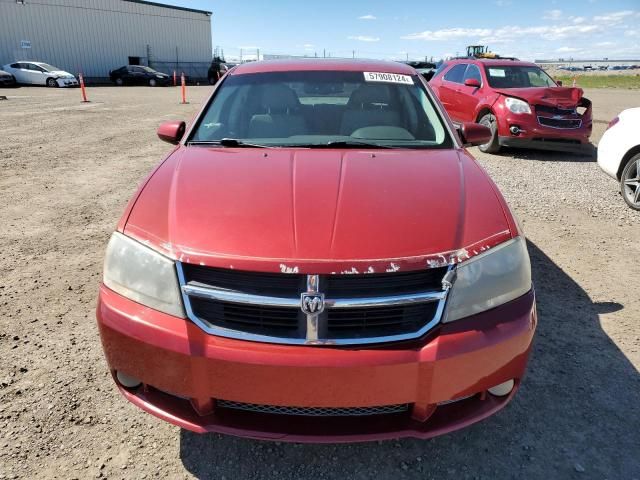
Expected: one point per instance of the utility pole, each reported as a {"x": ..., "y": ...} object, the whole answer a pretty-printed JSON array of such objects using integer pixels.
[
  {"x": 354, "y": 53},
  {"x": 324, "y": 53},
  {"x": 407, "y": 56},
  {"x": 240, "y": 55},
  {"x": 258, "y": 55}
]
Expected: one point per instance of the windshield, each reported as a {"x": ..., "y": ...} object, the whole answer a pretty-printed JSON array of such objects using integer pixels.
[
  {"x": 148, "y": 69},
  {"x": 320, "y": 108},
  {"x": 48, "y": 68},
  {"x": 508, "y": 76}
]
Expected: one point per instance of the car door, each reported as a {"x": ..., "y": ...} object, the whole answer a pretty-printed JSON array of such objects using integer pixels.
[
  {"x": 37, "y": 75},
  {"x": 469, "y": 97},
  {"x": 137, "y": 75},
  {"x": 17, "y": 72},
  {"x": 450, "y": 90}
]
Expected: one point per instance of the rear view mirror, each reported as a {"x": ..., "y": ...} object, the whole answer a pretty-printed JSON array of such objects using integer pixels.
[
  {"x": 474, "y": 134},
  {"x": 472, "y": 82},
  {"x": 559, "y": 82},
  {"x": 171, "y": 132}
]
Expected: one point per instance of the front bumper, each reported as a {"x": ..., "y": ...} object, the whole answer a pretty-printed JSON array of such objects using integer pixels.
[
  {"x": 67, "y": 82},
  {"x": 184, "y": 371},
  {"x": 536, "y": 136}
]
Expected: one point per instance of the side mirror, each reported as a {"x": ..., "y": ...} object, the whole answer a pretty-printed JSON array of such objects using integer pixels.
[
  {"x": 559, "y": 82},
  {"x": 472, "y": 82},
  {"x": 171, "y": 132},
  {"x": 474, "y": 134}
]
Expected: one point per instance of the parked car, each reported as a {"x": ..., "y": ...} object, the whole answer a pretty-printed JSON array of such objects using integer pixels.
[
  {"x": 240, "y": 296},
  {"x": 6, "y": 79},
  {"x": 619, "y": 154},
  {"x": 523, "y": 106},
  {"x": 138, "y": 75},
  {"x": 38, "y": 73},
  {"x": 216, "y": 70}
]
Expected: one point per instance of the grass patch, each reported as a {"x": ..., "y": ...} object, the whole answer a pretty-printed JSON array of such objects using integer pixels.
[{"x": 602, "y": 81}]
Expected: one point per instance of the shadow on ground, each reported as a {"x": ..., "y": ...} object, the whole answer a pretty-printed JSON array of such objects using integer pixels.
[
  {"x": 576, "y": 416},
  {"x": 588, "y": 154}
]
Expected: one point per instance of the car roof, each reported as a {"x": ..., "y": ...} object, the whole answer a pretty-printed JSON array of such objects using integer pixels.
[
  {"x": 323, "y": 64},
  {"x": 502, "y": 62}
]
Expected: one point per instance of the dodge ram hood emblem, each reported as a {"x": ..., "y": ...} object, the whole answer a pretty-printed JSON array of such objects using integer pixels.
[{"x": 312, "y": 303}]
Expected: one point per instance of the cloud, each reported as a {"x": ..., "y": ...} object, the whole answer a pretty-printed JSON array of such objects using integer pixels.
[
  {"x": 504, "y": 34},
  {"x": 568, "y": 49},
  {"x": 578, "y": 20},
  {"x": 552, "y": 14},
  {"x": 614, "y": 18},
  {"x": 448, "y": 34},
  {"x": 308, "y": 45},
  {"x": 363, "y": 38},
  {"x": 367, "y": 17},
  {"x": 503, "y": 3},
  {"x": 605, "y": 44}
]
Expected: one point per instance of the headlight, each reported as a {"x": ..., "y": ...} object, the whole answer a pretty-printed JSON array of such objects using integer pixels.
[
  {"x": 516, "y": 105},
  {"x": 142, "y": 275},
  {"x": 490, "y": 279},
  {"x": 159, "y": 76}
]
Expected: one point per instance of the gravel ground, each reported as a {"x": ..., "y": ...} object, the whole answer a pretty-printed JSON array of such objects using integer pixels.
[{"x": 66, "y": 172}]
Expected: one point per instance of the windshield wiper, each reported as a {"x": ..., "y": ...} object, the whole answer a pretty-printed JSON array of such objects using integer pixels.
[
  {"x": 346, "y": 144},
  {"x": 228, "y": 142}
]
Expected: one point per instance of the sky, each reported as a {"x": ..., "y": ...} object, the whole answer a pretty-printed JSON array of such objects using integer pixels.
[{"x": 417, "y": 29}]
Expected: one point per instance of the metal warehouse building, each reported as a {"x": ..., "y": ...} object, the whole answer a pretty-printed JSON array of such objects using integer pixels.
[{"x": 95, "y": 36}]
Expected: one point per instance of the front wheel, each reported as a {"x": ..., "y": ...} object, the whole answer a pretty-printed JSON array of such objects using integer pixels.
[
  {"x": 52, "y": 82},
  {"x": 492, "y": 146},
  {"x": 630, "y": 183},
  {"x": 153, "y": 82},
  {"x": 119, "y": 81}
]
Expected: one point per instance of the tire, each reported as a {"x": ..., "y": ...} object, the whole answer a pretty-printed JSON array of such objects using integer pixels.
[
  {"x": 212, "y": 81},
  {"x": 153, "y": 82},
  {"x": 489, "y": 120},
  {"x": 630, "y": 182},
  {"x": 52, "y": 82},
  {"x": 119, "y": 81}
]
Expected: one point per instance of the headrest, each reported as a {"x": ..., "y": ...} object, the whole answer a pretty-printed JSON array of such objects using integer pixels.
[
  {"x": 278, "y": 98},
  {"x": 367, "y": 94}
]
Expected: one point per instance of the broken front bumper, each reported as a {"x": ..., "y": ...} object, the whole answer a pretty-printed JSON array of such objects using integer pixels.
[{"x": 189, "y": 378}]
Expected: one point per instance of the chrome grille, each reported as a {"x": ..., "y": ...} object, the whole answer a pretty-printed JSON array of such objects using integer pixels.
[
  {"x": 314, "y": 411},
  {"x": 350, "y": 309}
]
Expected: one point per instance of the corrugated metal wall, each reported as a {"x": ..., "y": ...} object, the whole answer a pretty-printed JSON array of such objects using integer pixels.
[{"x": 95, "y": 36}]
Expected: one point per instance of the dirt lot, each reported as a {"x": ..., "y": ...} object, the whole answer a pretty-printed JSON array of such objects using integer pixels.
[{"x": 66, "y": 172}]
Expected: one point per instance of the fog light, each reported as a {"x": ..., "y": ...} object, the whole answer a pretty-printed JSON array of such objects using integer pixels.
[
  {"x": 502, "y": 389},
  {"x": 127, "y": 380},
  {"x": 514, "y": 129}
]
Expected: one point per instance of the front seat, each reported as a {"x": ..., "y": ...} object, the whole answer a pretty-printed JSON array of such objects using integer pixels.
[
  {"x": 369, "y": 106},
  {"x": 283, "y": 117}
]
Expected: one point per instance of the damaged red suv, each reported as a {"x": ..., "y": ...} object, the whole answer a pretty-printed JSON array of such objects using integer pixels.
[
  {"x": 521, "y": 104},
  {"x": 318, "y": 259}
]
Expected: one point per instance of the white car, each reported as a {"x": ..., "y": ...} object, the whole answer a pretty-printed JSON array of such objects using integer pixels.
[
  {"x": 37, "y": 73},
  {"x": 619, "y": 154}
]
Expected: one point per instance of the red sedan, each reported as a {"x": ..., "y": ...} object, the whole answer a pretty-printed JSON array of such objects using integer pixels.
[
  {"x": 523, "y": 106},
  {"x": 318, "y": 259}
]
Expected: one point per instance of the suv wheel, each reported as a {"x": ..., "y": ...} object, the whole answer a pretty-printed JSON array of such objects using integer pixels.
[
  {"x": 630, "y": 182},
  {"x": 489, "y": 120}
]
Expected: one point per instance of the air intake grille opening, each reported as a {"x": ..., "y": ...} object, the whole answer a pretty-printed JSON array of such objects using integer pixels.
[{"x": 314, "y": 411}]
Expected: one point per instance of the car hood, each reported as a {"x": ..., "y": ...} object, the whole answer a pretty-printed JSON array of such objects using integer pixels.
[
  {"x": 60, "y": 73},
  {"x": 322, "y": 211},
  {"x": 564, "y": 97}
]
